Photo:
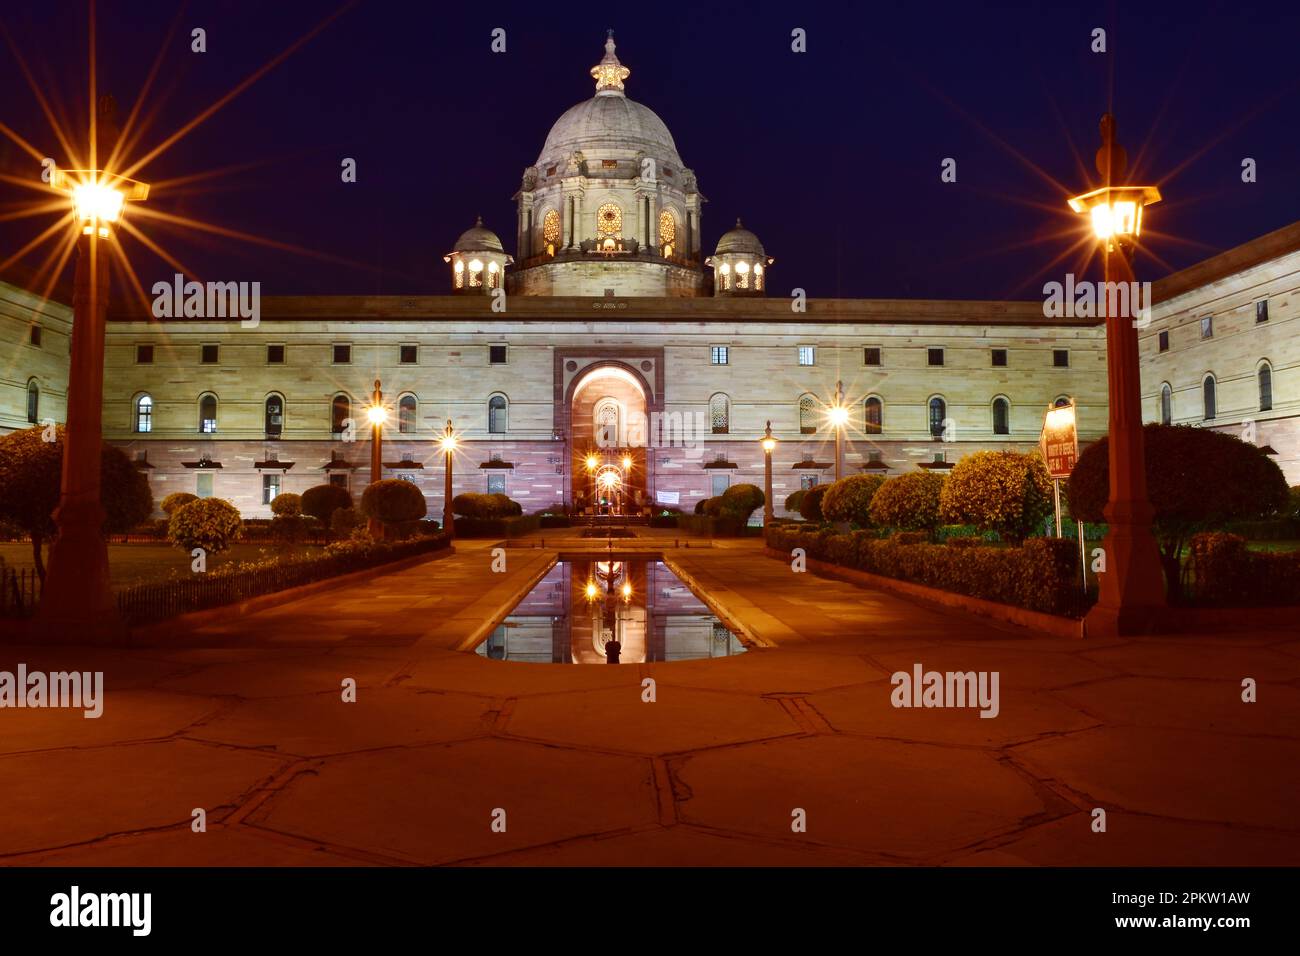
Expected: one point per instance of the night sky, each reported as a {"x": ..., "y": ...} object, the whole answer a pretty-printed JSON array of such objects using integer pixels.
[{"x": 832, "y": 156}]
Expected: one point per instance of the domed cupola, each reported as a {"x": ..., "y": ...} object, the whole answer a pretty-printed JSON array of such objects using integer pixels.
[
  {"x": 478, "y": 262},
  {"x": 739, "y": 263},
  {"x": 609, "y": 203}
]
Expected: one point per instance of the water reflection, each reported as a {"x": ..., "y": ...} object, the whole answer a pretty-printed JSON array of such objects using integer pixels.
[{"x": 610, "y": 611}]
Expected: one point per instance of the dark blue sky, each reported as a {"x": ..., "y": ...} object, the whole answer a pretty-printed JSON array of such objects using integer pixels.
[{"x": 832, "y": 156}]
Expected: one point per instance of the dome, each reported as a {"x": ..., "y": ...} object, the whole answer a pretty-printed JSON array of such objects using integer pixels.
[
  {"x": 739, "y": 240},
  {"x": 609, "y": 122},
  {"x": 478, "y": 238}
]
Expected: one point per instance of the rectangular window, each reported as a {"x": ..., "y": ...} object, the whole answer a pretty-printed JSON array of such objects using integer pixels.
[
  {"x": 275, "y": 355},
  {"x": 203, "y": 484},
  {"x": 719, "y": 354},
  {"x": 1060, "y": 358},
  {"x": 342, "y": 354},
  {"x": 1261, "y": 311},
  {"x": 719, "y": 483},
  {"x": 270, "y": 487},
  {"x": 999, "y": 358},
  {"x": 609, "y": 164},
  {"x": 1207, "y": 327},
  {"x": 496, "y": 355},
  {"x": 871, "y": 355},
  {"x": 1164, "y": 341},
  {"x": 934, "y": 356},
  {"x": 807, "y": 481},
  {"x": 874, "y": 457},
  {"x": 496, "y": 484},
  {"x": 339, "y": 479},
  {"x": 144, "y": 354},
  {"x": 209, "y": 354},
  {"x": 807, "y": 355},
  {"x": 409, "y": 354},
  {"x": 36, "y": 336}
]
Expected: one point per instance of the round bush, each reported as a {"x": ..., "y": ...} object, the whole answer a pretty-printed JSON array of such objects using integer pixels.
[
  {"x": 474, "y": 505},
  {"x": 909, "y": 502},
  {"x": 849, "y": 499},
  {"x": 177, "y": 499},
  {"x": 503, "y": 506},
  {"x": 321, "y": 501},
  {"x": 393, "y": 501},
  {"x": 794, "y": 500},
  {"x": 1002, "y": 491},
  {"x": 700, "y": 505},
  {"x": 286, "y": 504},
  {"x": 207, "y": 523},
  {"x": 742, "y": 500},
  {"x": 811, "y": 506}
]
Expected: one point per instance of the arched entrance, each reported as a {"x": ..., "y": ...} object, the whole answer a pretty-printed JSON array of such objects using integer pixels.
[{"x": 609, "y": 425}]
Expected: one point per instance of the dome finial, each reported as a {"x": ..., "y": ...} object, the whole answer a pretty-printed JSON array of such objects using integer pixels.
[
  {"x": 609, "y": 73},
  {"x": 478, "y": 222}
]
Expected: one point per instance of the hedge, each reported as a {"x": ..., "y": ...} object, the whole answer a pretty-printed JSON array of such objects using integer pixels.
[
  {"x": 503, "y": 527},
  {"x": 713, "y": 526},
  {"x": 1042, "y": 575},
  {"x": 1227, "y": 572}
]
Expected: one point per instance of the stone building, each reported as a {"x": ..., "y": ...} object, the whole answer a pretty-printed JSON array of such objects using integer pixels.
[{"x": 34, "y": 338}]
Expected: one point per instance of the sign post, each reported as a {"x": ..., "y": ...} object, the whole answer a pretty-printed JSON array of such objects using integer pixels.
[{"x": 1059, "y": 443}]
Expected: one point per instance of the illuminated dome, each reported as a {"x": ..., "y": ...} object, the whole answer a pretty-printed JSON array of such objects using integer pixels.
[
  {"x": 479, "y": 238},
  {"x": 739, "y": 240}
]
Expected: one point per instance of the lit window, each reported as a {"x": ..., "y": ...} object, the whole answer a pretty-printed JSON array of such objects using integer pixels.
[
  {"x": 208, "y": 414},
  {"x": 475, "y": 273},
  {"x": 144, "y": 414},
  {"x": 1265, "y": 388},
  {"x": 742, "y": 275},
  {"x": 807, "y": 355},
  {"x": 1166, "y": 404},
  {"x": 719, "y": 483},
  {"x": 758, "y": 276},
  {"x": 807, "y": 415},
  {"x": 609, "y": 221},
  {"x": 667, "y": 231},
  {"x": 497, "y": 415},
  {"x": 496, "y": 483},
  {"x": 406, "y": 412},
  {"x": 494, "y": 275},
  {"x": 203, "y": 484},
  {"x": 1001, "y": 416},
  {"x": 720, "y": 414},
  {"x": 270, "y": 487},
  {"x": 460, "y": 274},
  {"x": 719, "y": 354},
  {"x": 875, "y": 420},
  {"x": 551, "y": 230}
]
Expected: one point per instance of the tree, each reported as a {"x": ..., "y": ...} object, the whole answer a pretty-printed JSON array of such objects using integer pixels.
[
  {"x": 1003, "y": 491},
  {"x": 207, "y": 523},
  {"x": 849, "y": 499},
  {"x": 30, "y": 479},
  {"x": 394, "y": 502},
  {"x": 1197, "y": 480},
  {"x": 321, "y": 501},
  {"x": 910, "y": 501},
  {"x": 177, "y": 499},
  {"x": 811, "y": 506},
  {"x": 286, "y": 504}
]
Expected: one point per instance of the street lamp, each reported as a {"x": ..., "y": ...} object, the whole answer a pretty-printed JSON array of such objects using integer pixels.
[
  {"x": 1131, "y": 590},
  {"x": 448, "y": 444},
  {"x": 839, "y": 416},
  {"x": 376, "y": 415},
  {"x": 769, "y": 446},
  {"x": 76, "y": 599}
]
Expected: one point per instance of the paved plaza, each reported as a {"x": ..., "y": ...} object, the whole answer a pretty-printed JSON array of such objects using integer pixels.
[{"x": 243, "y": 717}]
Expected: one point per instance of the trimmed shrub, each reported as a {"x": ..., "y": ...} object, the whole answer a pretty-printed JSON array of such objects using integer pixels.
[
  {"x": 811, "y": 506},
  {"x": 474, "y": 505},
  {"x": 1197, "y": 480},
  {"x": 699, "y": 506},
  {"x": 1002, "y": 491},
  {"x": 1227, "y": 572},
  {"x": 849, "y": 499},
  {"x": 286, "y": 504},
  {"x": 176, "y": 500},
  {"x": 498, "y": 527},
  {"x": 910, "y": 501},
  {"x": 741, "y": 501},
  {"x": 794, "y": 500},
  {"x": 393, "y": 501},
  {"x": 207, "y": 523},
  {"x": 321, "y": 501},
  {"x": 289, "y": 528},
  {"x": 344, "y": 521}
]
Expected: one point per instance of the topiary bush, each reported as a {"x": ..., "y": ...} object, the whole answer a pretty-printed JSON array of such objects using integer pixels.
[
  {"x": 207, "y": 523},
  {"x": 909, "y": 502},
  {"x": 741, "y": 501},
  {"x": 1197, "y": 480},
  {"x": 344, "y": 521},
  {"x": 1227, "y": 572},
  {"x": 321, "y": 501},
  {"x": 811, "y": 506},
  {"x": 393, "y": 501},
  {"x": 1003, "y": 491},
  {"x": 794, "y": 500},
  {"x": 286, "y": 504},
  {"x": 849, "y": 499},
  {"x": 177, "y": 499}
]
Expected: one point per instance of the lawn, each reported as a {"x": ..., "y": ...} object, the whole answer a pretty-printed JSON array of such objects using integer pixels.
[{"x": 131, "y": 564}]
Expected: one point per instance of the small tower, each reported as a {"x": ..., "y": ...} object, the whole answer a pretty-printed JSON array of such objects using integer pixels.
[
  {"x": 739, "y": 264},
  {"x": 478, "y": 262}
]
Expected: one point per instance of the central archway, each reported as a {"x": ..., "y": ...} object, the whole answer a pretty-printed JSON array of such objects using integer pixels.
[{"x": 608, "y": 416}]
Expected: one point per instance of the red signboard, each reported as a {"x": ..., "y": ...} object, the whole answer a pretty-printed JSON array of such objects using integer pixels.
[{"x": 1059, "y": 442}]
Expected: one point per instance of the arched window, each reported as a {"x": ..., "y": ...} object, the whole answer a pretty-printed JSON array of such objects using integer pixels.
[
  {"x": 475, "y": 274},
  {"x": 208, "y": 414},
  {"x": 1166, "y": 404},
  {"x": 497, "y": 414},
  {"x": 144, "y": 414},
  {"x": 33, "y": 401},
  {"x": 340, "y": 412},
  {"x": 807, "y": 415},
  {"x": 720, "y": 414},
  {"x": 406, "y": 411},
  {"x": 1265, "y": 387},
  {"x": 609, "y": 221},
  {"x": 1208, "y": 396},
  {"x": 605, "y": 418},
  {"x": 742, "y": 275},
  {"x": 875, "y": 422},
  {"x": 1001, "y": 416},
  {"x": 758, "y": 276},
  {"x": 1061, "y": 400},
  {"x": 551, "y": 231},
  {"x": 494, "y": 275},
  {"x": 938, "y": 414},
  {"x": 460, "y": 274},
  {"x": 724, "y": 274},
  {"x": 274, "y": 415},
  {"x": 667, "y": 232}
]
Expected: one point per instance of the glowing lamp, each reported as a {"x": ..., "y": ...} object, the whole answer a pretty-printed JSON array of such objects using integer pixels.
[
  {"x": 769, "y": 445},
  {"x": 1116, "y": 211},
  {"x": 376, "y": 414},
  {"x": 591, "y": 462},
  {"x": 839, "y": 415},
  {"x": 591, "y": 589},
  {"x": 98, "y": 198},
  {"x": 627, "y": 590},
  {"x": 448, "y": 443},
  {"x": 627, "y": 462}
]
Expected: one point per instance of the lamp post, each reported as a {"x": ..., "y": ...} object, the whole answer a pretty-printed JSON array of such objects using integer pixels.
[
  {"x": 769, "y": 445},
  {"x": 449, "y": 448},
  {"x": 1131, "y": 589},
  {"x": 377, "y": 415},
  {"x": 77, "y": 604},
  {"x": 839, "y": 416}
]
